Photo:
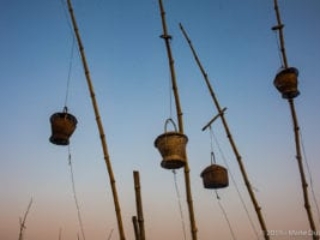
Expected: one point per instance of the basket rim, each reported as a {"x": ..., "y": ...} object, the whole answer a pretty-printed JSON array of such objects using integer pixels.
[
  {"x": 171, "y": 133},
  {"x": 288, "y": 70},
  {"x": 211, "y": 167},
  {"x": 63, "y": 115}
]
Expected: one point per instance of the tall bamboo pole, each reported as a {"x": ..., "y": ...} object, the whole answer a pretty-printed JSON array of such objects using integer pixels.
[
  {"x": 304, "y": 183},
  {"x": 136, "y": 178},
  {"x": 99, "y": 123},
  {"x": 167, "y": 39},
  {"x": 296, "y": 129},
  {"x": 232, "y": 142}
]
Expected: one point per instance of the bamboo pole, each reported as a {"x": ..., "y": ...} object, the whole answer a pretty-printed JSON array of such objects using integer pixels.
[
  {"x": 167, "y": 39},
  {"x": 135, "y": 228},
  {"x": 99, "y": 123},
  {"x": 280, "y": 27},
  {"x": 136, "y": 178},
  {"x": 232, "y": 142},
  {"x": 213, "y": 119},
  {"x": 307, "y": 206},
  {"x": 296, "y": 129}
]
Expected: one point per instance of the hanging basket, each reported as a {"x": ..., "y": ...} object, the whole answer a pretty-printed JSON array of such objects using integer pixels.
[
  {"x": 63, "y": 125},
  {"x": 215, "y": 176},
  {"x": 286, "y": 81},
  {"x": 172, "y": 147}
]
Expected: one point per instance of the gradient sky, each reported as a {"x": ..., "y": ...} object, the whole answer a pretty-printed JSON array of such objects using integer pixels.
[{"x": 130, "y": 73}]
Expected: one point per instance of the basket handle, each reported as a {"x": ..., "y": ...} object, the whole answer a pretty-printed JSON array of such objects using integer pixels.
[
  {"x": 167, "y": 122},
  {"x": 213, "y": 158},
  {"x": 65, "y": 112},
  {"x": 65, "y": 109}
]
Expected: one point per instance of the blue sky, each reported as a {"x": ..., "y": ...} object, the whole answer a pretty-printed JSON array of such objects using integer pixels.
[{"x": 129, "y": 69}]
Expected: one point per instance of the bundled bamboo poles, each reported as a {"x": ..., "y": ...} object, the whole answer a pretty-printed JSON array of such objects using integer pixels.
[
  {"x": 232, "y": 142},
  {"x": 296, "y": 128},
  {"x": 99, "y": 123},
  {"x": 167, "y": 39}
]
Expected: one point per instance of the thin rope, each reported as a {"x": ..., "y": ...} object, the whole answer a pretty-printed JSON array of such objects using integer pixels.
[
  {"x": 213, "y": 157},
  {"x": 310, "y": 178},
  {"x": 75, "y": 194},
  {"x": 170, "y": 98},
  {"x": 65, "y": 10},
  {"x": 180, "y": 205},
  {"x": 279, "y": 49},
  {"x": 110, "y": 234},
  {"x": 69, "y": 71},
  {"x": 225, "y": 215},
  {"x": 236, "y": 186},
  {"x": 213, "y": 161}
]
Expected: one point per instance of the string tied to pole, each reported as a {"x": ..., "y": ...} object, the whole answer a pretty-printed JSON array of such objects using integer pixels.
[
  {"x": 69, "y": 73},
  {"x": 75, "y": 193},
  {"x": 225, "y": 215},
  {"x": 213, "y": 156}
]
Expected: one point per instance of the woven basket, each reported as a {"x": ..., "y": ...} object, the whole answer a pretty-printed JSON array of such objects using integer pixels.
[
  {"x": 63, "y": 125},
  {"x": 286, "y": 81},
  {"x": 172, "y": 147},
  {"x": 215, "y": 176}
]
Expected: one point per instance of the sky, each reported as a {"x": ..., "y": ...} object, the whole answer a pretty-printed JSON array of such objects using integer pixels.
[{"x": 40, "y": 66}]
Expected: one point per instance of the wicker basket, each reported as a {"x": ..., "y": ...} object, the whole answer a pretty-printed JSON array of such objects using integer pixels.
[
  {"x": 286, "y": 81},
  {"x": 172, "y": 147},
  {"x": 63, "y": 125},
  {"x": 215, "y": 176}
]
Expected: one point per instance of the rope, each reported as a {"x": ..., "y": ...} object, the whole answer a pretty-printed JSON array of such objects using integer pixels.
[
  {"x": 225, "y": 215},
  {"x": 110, "y": 234},
  {"x": 75, "y": 194},
  {"x": 236, "y": 186},
  {"x": 213, "y": 157},
  {"x": 279, "y": 50},
  {"x": 180, "y": 206},
  {"x": 65, "y": 10},
  {"x": 213, "y": 161},
  {"x": 69, "y": 72},
  {"x": 310, "y": 178},
  {"x": 170, "y": 97}
]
